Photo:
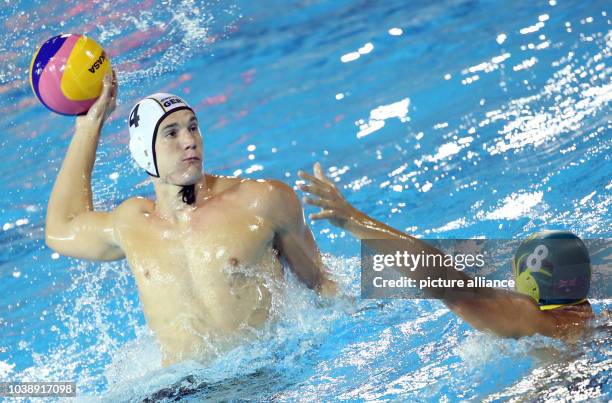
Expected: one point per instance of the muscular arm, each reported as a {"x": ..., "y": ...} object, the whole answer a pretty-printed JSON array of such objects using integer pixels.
[
  {"x": 295, "y": 241},
  {"x": 72, "y": 227},
  {"x": 505, "y": 313}
]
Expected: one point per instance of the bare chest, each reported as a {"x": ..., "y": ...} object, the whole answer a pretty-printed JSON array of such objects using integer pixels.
[
  {"x": 201, "y": 252},
  {"x": 209, "y": 274}
]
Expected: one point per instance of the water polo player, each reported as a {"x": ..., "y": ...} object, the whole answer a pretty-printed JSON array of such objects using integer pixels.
[
  {"x": 206, "y": 253},
  {"x": 552, "y": 271}
]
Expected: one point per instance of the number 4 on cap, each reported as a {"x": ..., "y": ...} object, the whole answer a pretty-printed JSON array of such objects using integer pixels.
[{"x": 134, "y": 118}]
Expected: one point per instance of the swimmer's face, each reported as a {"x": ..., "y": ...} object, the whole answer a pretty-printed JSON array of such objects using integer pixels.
[{"x": 178, "y": 147}]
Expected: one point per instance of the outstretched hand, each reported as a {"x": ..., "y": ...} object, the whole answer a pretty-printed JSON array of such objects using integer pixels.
[
  {"x": 324, "y": 194},
  {"x": 105, "y": 104}
]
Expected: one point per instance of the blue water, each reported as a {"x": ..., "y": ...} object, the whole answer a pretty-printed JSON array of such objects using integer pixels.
[{"x": 445, "y": 119}]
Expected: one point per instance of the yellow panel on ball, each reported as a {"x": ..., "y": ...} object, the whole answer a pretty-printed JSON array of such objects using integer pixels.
[{"x": 85, "y": 70}]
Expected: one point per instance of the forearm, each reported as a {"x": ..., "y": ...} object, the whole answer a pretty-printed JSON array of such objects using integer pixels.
[
  {"x": 365, "y": 227},
  {"x": 484, "y": 308},
  {"x": 71, "y": 194},
  {"x": 325, "y": 285},
  {"x": 302, "y": 256},
  {"x": 470, "y": 303}
]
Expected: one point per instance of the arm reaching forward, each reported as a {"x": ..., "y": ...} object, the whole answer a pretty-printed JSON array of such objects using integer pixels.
[
  {"x": 72, "y": 227},
  {"x": 503, "y": 312},
  {"x": 341, "y": 213}
]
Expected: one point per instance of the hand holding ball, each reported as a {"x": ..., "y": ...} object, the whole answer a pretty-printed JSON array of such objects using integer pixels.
[
  {"x": 67, "y": 72},
  {"x": 104, "y": 105}
]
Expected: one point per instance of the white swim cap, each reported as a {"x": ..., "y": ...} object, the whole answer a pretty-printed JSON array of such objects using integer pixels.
[{"x": 144, "y": 121}]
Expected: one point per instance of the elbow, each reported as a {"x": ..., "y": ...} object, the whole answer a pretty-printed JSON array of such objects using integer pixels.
[
  {"x": 54, "y": 239},
  {"x": 53, "y": 232},
  {"x": 51, "y": 242}
]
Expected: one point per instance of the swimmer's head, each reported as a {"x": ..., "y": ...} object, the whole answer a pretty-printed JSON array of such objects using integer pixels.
[
  {"x": 178, "y": 148},
  {"x": 553, "y": 268},
  {"x": 165, "y": 139}
]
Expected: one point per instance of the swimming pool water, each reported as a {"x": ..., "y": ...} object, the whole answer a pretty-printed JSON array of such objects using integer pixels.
[{"x": 445, "y": 119}]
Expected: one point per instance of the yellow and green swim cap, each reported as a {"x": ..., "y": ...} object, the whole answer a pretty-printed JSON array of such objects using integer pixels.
[{"x": 553, "y": 268}]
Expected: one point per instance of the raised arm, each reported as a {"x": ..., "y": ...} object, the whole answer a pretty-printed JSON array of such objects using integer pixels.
[
  {"x": 505, "y": 313},
  {"x": 295, "y": 242},
  {"x": 72, "y": 227}
]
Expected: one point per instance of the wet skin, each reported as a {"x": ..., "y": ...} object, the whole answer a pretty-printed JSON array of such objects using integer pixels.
[
  {"x": 502, "y": 312},
  {"x": 207, "y": 272},
  {"x": 209, "y": 275}
]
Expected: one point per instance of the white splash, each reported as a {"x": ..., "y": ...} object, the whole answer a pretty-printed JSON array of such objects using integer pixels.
[
  {"x": 5, "y": 369},
  {"x": 451, "y": 225},
  {"x": 444, "y": 151},
  {"x": 516, "y": 205},
  {"x": 380, "y": 114}
]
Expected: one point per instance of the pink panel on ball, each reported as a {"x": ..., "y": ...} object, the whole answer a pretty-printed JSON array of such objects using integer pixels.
[{"x": 49, "y": 85}]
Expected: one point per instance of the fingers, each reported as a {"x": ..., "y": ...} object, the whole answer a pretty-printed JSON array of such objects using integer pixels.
[
  {"x": 316, "y": 190},
  {"x": 107, "y": 79},
  {"x": 321, "y": 185},
  {"x": 325, "y": 214},
  {"x": 106, "y": 102},
  {"x": 316, "y": 168},
  {"x": 323, "y": 203},
  {"x": 318, "y": 171},
  {"x": 319, "y": 178},
  {"x": 108, "y": 98},
  {"x": 107, "y": 85},
  {"x": 307, "y": 176},
  {"x": 114, "y": 85},
  {"x": 115, "y": 91},
  {"x": 331, "y": 201},
  {"x": 98, "y": 108}
]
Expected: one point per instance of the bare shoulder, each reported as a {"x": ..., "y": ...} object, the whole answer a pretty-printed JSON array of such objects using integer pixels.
[
  {"x": 275, "y": 199},
  {"x": 270, "y": 190},
  {"x": 571, "y": 315},
  {"x": 566, "y": 323},
  {"x": 220, "y": 183},
  {"x": 133, "y": 207}
]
